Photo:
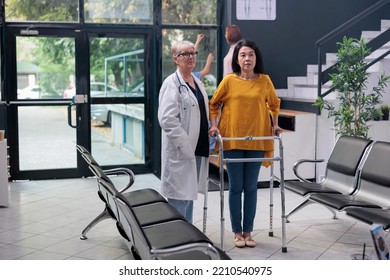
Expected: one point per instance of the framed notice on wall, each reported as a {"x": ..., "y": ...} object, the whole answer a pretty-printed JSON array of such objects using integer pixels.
[{"x": 256, "y": 9}]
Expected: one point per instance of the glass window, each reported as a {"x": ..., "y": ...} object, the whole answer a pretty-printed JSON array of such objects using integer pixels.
[
  {"x": 42, "y": 10},
  {"x": 45, "y": 67},
  {"x": 119, "y": 11},
  {"x": 117, "y": 70},
  {"x": 117, "y": 67},
  {"x": 118, "y": 133},
  {"x": 206, "y": 46},
  {"x": 189, "y": 11},
  {"x": 46, "y": 141}
]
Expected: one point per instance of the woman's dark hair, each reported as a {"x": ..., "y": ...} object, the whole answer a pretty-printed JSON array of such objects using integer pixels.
[
  {"x": 259, "y": 67},
  {"x": 233, "y": 34}
]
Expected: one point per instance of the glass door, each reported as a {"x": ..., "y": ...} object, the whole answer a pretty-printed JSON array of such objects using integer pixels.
[
  {"x": 87, "y": 88},
  {"x": 41, "y": 142}
]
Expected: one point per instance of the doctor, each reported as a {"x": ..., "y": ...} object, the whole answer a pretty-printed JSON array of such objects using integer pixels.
[{"x": 183, "y": 117}]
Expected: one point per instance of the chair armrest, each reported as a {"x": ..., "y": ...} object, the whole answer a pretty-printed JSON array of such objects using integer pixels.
[
  {"x": 299, "y": 162},
  {"x": 122, "y": 171}
]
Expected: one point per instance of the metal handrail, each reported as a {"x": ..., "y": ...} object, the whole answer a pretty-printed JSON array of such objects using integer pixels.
[
  {"x": 373, "y": 44},
  {"x": 356, "y": 19},
  {"x": 351, "y": 22},
  {"x": 367, "y": 66}
]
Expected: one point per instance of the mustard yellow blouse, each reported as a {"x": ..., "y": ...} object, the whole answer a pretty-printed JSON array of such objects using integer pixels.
[{"x": 247, "y": 105}]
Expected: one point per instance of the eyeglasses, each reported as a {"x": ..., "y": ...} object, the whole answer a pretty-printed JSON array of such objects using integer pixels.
[{"x": 188, "y": 54}]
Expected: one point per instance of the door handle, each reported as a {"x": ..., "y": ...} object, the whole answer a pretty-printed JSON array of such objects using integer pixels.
[
  {"x": 76, "y": 100},
  {"x": 70, "y": 115}
]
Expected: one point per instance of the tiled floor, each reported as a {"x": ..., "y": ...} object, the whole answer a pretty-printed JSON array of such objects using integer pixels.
[{"x": 45, "y": 219}]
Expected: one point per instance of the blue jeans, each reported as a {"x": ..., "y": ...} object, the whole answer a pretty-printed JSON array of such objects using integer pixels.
[
  {"x": 185, "y": 207},
  {"x": 243, "y": 178}
]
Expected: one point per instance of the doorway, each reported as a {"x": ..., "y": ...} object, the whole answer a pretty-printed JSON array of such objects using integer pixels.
[{"x": 71, "y": 87}]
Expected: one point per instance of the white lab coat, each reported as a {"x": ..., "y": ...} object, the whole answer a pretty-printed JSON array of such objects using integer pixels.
[{"x": 179, "y": 118}]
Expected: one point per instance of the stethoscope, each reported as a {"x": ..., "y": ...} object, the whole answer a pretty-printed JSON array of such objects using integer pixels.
[
  {"x": 181, "y": 86},
  {"x": 184, "y": 92}
]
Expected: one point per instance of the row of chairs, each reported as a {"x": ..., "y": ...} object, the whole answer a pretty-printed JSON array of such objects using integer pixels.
[
  {"x": 357, "y": 181},
  {"x": 152, "y": 228}
]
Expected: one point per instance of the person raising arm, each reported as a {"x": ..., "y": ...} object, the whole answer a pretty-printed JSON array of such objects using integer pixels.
[{"x": 209, "y": 60}]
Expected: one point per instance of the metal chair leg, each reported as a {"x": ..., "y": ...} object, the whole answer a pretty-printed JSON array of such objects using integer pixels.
[
  {"x": 299, "y": 207},
  {"x": 307, "y": 202},
  {"x": 102, "y": 216},
  {"x": 334, "y": 213}
]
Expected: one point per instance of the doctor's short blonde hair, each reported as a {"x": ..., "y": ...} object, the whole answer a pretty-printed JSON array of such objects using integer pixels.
[{"x": 180, "y": 46}]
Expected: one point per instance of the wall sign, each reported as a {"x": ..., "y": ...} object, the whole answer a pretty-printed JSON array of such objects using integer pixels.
[{"x": 256, "y": 9}]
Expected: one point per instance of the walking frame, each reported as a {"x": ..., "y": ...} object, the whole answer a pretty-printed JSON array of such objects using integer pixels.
[{"x": 221, "y": 184}]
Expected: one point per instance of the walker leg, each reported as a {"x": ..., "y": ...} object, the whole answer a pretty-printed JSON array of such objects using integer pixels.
[
  {"x": 305, "y": 203},
  {"x": 204, "y": 219},
  {"x": 271, "y": 201}
]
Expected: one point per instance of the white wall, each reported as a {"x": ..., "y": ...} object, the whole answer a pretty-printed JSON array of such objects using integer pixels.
[{"x": 297, "y": 144}]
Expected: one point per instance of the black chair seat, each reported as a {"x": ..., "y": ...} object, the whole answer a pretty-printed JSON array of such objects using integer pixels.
[
  {"x": 370, "y": 216},
  {"x": 175, "y": 240},
  {"x": 163, "y": 236},
  {"x": 143, "y": 197},
  {"x": 156, "y": 213},
  {"x": 305, "y": 188},
  {"x": 340, "y": 201}
]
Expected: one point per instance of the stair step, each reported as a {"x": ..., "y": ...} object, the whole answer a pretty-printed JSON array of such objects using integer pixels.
[
  {"x": 309, "y": 91},
  {"x": 312, "y": 69},
  {"x": 369, "y": 35},
  {"x": 305, "y": 91},
  {"x": 331, "y": 58},
  {"x": 300, "y": 80},
  {"x": 310, "y": 80},
  {"x": 281, "y": 92},
  {"x": 386, "y": 46},
  {"x": 385, "y": 24}
]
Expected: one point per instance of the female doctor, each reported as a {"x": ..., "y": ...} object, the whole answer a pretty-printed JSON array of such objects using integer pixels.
[{"x": 183, "y": 117}]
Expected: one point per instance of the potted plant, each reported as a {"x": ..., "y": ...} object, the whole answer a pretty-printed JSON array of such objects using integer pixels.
[
  {"x": 355, "y": 104},
  {"x": 385, "y": 111},
  {"x": 377, "y": 114}
]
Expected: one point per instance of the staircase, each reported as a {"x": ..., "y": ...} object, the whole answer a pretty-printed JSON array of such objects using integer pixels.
[
  {"x": 305, "y": 88},
  {"x": 312, "y": 136}
]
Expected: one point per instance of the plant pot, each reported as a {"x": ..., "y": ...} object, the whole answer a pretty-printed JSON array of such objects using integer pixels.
[{"x": 385, "y": 117}]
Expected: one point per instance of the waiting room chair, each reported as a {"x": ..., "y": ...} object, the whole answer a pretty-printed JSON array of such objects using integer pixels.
[
  {"x": 340, "y": 176},
  {"x": 137, "y": 197},
  {"x": 373, "y": 188}
]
